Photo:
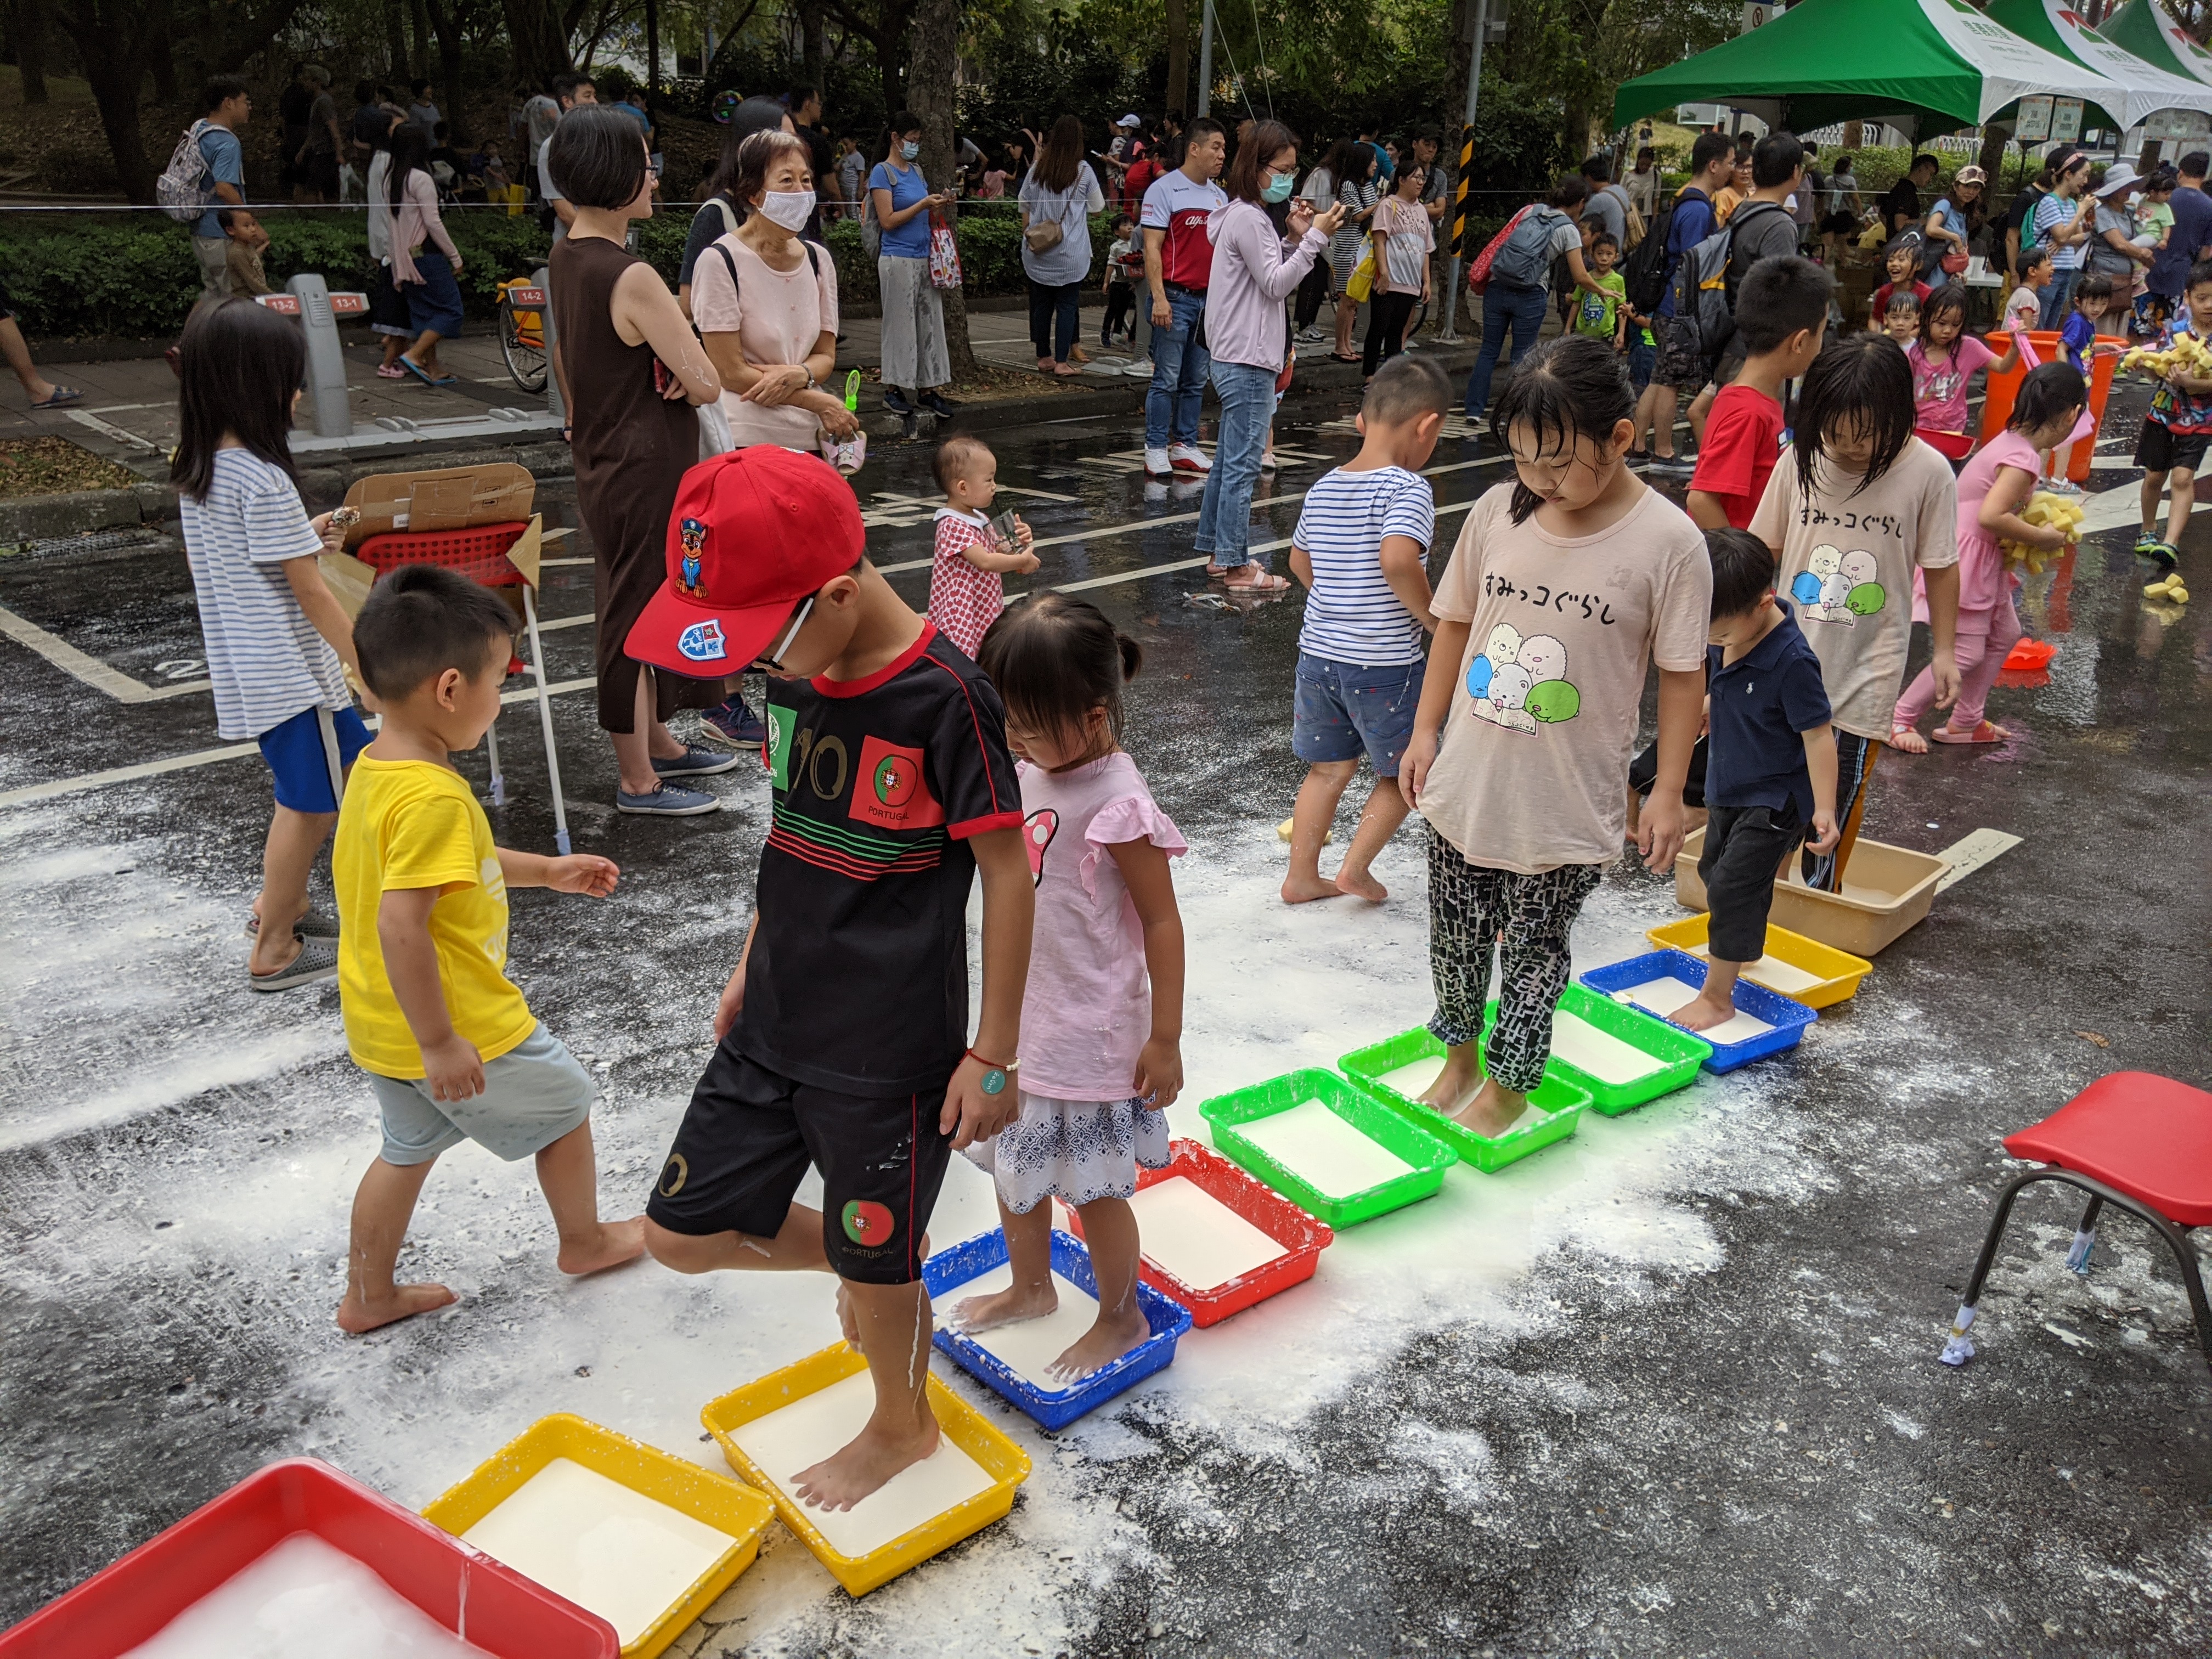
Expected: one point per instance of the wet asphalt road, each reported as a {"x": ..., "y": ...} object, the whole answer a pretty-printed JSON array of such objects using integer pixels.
[{"x": 1667, "y": 1388}]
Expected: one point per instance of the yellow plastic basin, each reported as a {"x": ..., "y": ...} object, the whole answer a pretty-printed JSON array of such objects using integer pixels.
[
  {"x": 1818, "y": 975},
  {"x": 1886, "y": 889}
]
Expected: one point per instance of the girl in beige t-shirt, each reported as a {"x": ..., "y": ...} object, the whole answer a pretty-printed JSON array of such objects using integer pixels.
[{"x": 1564, "y": 588}]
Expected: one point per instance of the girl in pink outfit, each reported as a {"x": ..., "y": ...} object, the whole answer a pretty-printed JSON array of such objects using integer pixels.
[
  {"x": 1101, "y": 1022},
  {"x": 1995, "y": 485}
]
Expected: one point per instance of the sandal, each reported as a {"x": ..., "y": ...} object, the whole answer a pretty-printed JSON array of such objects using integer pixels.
[
  {"x": 1339, "y": 357},
  {"x": 1265, "y": 582},
  {"x": 63, "y": 397},
  {"x": 1987, "y": 732},
  {"x": 1907, "y": 741}
]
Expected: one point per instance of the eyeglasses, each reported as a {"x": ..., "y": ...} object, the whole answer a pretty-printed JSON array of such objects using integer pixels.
[{"x": 773, "y": 660}]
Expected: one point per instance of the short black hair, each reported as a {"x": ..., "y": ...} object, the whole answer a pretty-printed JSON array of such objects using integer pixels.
[
  {"x": 597, "y": 157},
  {"x": 1902, "y": 298},
  {"x": 421, "y": 619},
  {"x": 1780, "y": 296},
  {"x": 2196, "y": 164},
  {"x": 418, "y": 85},
  {"x": 1923, "y": 160},
  {"x": 565, "y": 86},
  {"x": 795, "y": 99},
  {"x": 1743, "y": 571},
  {"x": 2199, "y": 274},
  {"x": 1054, "y": 658},
  {"x": 1776, "y": 156},
  {"x": 219, "y": 89},
  {"x": 1570, "y": 390},
  {"x": 2047, "y": 391},
  {"x": 1199, "y": 128},
  {"x": 2031, "y": 257},
  {"x": 1605, "y": 239},
  {"x": 1599, "y": 168},
  {"x": 1406, "y": 388},
  {"x": 1707, "y": 148}
]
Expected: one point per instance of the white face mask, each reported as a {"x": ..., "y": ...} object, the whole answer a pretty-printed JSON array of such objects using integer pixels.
[{"x": 787, "y": 208}]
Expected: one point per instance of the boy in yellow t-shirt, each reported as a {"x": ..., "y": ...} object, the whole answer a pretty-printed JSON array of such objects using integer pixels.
[{"x": 451, "y": 1049}]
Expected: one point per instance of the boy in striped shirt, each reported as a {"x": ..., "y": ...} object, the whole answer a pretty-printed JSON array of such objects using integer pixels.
[{"x": 1362, "y": 549}]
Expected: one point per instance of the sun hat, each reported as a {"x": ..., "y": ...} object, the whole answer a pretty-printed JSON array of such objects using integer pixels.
[{"x": 2118, "y": 177}]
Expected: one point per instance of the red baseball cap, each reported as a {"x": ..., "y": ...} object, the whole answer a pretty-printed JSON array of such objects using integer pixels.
[{"x": 753, "y": 534}]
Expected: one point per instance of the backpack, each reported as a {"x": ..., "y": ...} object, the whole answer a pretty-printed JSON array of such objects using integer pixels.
[
  {"x": 1524, "y": 259},
  {"x": 1706, "y": 284},
  {"x": 182, "y": 189},
  {"x": 1644, "y": 270},
  {"x": 2027, "y": 219},
  {"x": 1631, "y": 219},
  {"x": 871, "y": 230}
]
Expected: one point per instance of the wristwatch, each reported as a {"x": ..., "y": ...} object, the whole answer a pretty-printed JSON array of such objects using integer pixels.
[{"x": 994, "y": 1074}]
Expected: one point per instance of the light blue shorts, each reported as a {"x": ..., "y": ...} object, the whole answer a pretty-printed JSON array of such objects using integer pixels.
[{"x": 532, "y": 1095}]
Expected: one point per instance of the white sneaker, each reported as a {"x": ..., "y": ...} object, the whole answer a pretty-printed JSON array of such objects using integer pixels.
[
  {"x": 1157, "y": 464},
  {"x": 1188, "y": 457}
]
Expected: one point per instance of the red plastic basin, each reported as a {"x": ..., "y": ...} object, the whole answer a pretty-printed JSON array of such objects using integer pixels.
[
  {"x": 1301, "y": 1235},
  {"x": 126, "y": 1602}
]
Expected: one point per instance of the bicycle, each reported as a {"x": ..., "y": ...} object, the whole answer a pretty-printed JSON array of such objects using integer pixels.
[{"x": 522, "y": 331}]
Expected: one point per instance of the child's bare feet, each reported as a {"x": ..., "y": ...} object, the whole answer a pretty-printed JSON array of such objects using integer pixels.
[
  {"x": 1703, "y": 1014},
  {"x": 1304, "y": 889},
  {"x": 872, "y": 1457},
  {"x": 1007, "y": 1307},
  {"x": 1907, "y": 741},
  {"x": 1494, "y": 1110},
  {"x": 1459, "y": 1079},
  {"x": 1106, "y": 1341},
  {"x": 357, "y": 1314},
  {"x": 618, "y": 1242},
  {"x": 1361, "y": 885}
]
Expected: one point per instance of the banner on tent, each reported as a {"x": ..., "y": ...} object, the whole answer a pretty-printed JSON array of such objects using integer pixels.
[{"x": 2065, "y": 120}]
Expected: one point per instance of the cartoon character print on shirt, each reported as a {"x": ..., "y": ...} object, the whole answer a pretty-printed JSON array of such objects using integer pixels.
[
  {"x": 1838, "y": 587},
  {"x": 493, "y": 880},
  {"x": 1518, "y": 683},
  {"x": 1037, "y": 830}
]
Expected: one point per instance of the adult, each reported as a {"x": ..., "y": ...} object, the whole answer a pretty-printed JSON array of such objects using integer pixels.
[
  {"x": 315, "y": 163},
  {"x": 533, "y": 124},
  {"x": 1679, "y": 365},
  {"x": 1738, "y": 189},
  {"x": 572, "y": 92},
  {"x": 226, "y": 105},
  {"x": 1952, "y": 222},
  {"x": 1143, "y": 173},
  {"x": 2019, "y": 216},
  {"x": 1839, "y": 208},
  {"x": 1178, "y": 266},
  {"x": 1643, "y": 184},
  {"x": 804, "y": 103},
  {"x": 1519, "y": 306},
  {"x": 2190, "y": 238},
  {"x": 1805, "y": 201},
  {"x": 852, "y": 168},
  {"x": 1318, "y": 192},
  {"x": 1057, "y": 202},
  {"x": 1764, "y": 230},
  {"x": 2112, "y": 249},
  {"x": 424, "y": 261},
  {"x": 371, "y": 121},
  {"x": 632, "y": 104},
  {"x": 2062, "y": 221},
  {"x": 421, "y": 110},
  {"x": 1436, "y": 181},
  {"x": 1403, "y": 241},
  {"x": 292, "y": 105},
  {"x": 389, "y": 318},
  {"x": 1254, "y": 269},
  {"x": 1605, "y": 209},
  {"x": 1352, "y": 164},
  {"x": 1900, "y": 204},
  {"x": 916, "y": 364},
  {"x": 640, "y": 369},
  {"x": 724, "y": 211}
]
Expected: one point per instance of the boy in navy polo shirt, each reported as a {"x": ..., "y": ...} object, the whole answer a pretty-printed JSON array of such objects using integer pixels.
[
  {"x": 1771, "y": 768},
  {"x": 842, "y": 1035}
]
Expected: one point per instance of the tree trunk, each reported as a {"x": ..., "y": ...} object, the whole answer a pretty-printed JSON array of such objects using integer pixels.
[
  {"x": 541, "y": 44},
  {"x": 1178, "y": 92},
  {"x": 161, "y": 62},
  {"x": 1854, "y": 134},
  {"x": 395, "y": 44},
  {"x": 29, "y": 18},
  {"x": 651, "y": 52},
  {"x": 1992, "y": 163},
  {"x": 115, "y": 78},
  {"x": 418, "y": 58},
  {"x": 932, "y": 94},
  {"x": 448, "y": 31},
  {"x": 813, "y": 43}
]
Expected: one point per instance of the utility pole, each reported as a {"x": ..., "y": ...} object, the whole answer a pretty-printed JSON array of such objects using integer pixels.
[
  {"x": 1479, "y": 9},
  {"x": 1206, "y": 59}
]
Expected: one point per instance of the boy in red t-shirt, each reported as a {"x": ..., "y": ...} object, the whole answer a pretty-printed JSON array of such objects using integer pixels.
[{"x": 1782, "y": 313}]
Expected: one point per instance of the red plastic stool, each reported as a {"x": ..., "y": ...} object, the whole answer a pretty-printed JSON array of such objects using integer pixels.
[{"x": 2138, "y": 1141}]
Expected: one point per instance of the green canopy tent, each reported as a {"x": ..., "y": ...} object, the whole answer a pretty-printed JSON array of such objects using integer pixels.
[
  {"x": 2146, "y": 30},
  {"x": 1924, "y": 66},
  {"x": 2055, "y": 26}
]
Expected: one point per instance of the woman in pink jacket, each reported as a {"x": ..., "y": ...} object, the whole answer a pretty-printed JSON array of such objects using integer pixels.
[
  {"x": 1255, "y": 272},
  {"x": 424, "y": 261}
]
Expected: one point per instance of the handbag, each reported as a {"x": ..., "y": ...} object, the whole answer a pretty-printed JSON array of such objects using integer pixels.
[
  {"x": 1478, "y": 273},
  {"x": 1361, "y": 283},
  {"x": 1954, "y": 262},
  {"x": 1043, "y": 235},
  {"x": 944, "y": 255}
]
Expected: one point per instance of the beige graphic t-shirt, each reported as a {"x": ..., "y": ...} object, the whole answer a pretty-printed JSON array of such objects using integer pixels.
[
  {"x": 1533, "y": 773},
  {"x": 1847, "y": 560}
]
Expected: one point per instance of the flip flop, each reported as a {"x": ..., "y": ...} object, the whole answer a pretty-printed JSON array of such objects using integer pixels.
[
  {"x": 409, "y": 365},
  {"x": 1265, "y": 582},
  {"x": 63, "y": 397},
  {"x": 1987, "y": 732},
  {"x": 1339, "y": 357}
]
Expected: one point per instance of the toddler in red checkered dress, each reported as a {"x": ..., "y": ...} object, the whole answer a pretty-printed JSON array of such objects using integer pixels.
[{"x": 965, "y": 592}]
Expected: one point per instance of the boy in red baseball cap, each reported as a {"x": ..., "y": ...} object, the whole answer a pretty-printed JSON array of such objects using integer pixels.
[{"x": 842, "y": 1035}]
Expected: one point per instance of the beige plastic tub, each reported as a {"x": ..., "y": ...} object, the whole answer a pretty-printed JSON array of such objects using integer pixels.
[{"x": 1886, "y": 889}]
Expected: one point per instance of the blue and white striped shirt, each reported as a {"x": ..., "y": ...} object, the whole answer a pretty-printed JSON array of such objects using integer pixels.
[
  {"x": 264, "y": 657},
  {"x": 1351, "y": 614}
]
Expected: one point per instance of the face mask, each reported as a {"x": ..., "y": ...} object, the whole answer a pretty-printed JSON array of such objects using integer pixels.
[
  {"x": 1279, "y": 187},
  {"x": 787, "y": 208},
  {"x": 909, "y": 149}
]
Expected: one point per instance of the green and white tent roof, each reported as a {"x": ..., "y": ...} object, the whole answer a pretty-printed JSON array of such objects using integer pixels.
[
  {"x": 2057, "y": 27},
  {"x": 2146, "y": 29}
]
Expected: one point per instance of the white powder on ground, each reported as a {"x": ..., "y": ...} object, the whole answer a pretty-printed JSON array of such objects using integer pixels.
[
  {"x": 1669, "y": 996},
  {"x": 1598, "y": 1053},
  {"x": 813, "y": 1426},
  {"x": 1315, "y": 1144},
  {"x": 1185, "y": 1230},
  {"x": 625, "y": 1556},
  {"x": 305, "y": 1596}
]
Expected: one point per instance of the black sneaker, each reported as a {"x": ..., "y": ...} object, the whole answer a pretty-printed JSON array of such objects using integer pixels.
[
  {"x": 894, "y": 400},
  {"x": 935, "y": 404},
  {"x": 734, "y": 723}
]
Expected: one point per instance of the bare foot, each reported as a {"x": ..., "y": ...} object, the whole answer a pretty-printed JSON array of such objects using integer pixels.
[
  {"x": 1907, "y": 741},
  {"x": 1361, "y": 885},
  {"x": 1453, "y": 1085},
  {"x": 1106, "y": 1341},
  {"x": 1703, "y": 1014},
  {"x": 1494, "y": 1110},
  {"x": 1298, "y": 890},
  {"x": 1008, "y": 1307},
  {"x": 873, "y": 1456},
  {"x": 358, "y": 1314},
  {"x": 618, "y": 1242}
]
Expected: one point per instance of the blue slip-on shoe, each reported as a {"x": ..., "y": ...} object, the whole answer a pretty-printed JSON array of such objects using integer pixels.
[
  {"x": 667, "y": 800},
  {"x": 696, "y": 763},
  {"x": 734, "y": 723}
]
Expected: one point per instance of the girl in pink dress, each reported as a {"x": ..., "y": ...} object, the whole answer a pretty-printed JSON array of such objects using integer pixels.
[{"x": 1101, "y": 1022}]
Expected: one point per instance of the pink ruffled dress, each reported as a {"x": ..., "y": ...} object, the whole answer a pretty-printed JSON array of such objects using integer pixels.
[{"x": 1087, "y": 1011}]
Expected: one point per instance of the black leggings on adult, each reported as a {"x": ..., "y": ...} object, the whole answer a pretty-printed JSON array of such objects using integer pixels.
[
  {"x": 1387, "y": 317},
  {"x": 1054, "y": 318},
  {"x": 1313, "y": 293}
]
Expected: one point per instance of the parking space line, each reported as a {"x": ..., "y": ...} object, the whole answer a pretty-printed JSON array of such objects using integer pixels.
[{"x": 92, "y": 671}]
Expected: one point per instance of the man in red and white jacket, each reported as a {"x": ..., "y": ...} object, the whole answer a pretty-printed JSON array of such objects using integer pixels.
[{"x": 1178, "y": 262}]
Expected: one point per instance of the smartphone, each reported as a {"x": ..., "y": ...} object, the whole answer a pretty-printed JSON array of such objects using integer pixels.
[{"x": 662, "y": 379}]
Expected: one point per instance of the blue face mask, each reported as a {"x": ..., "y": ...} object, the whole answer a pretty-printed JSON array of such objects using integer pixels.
[
  {"x": 909, "y": 149},
  {"x": 1279, "y": 187}
]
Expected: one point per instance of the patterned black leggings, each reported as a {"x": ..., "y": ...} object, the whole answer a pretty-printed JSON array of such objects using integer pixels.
[{"x": 1472, "y": 907}]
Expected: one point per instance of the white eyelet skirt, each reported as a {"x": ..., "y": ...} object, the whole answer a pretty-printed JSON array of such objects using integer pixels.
[{"x": 1078, "y": 1151}]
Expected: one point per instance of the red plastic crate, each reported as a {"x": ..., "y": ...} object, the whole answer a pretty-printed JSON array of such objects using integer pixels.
[
  {"x": 1301, "y": 1235},
  {"x": 478, "y": 553},
  {"x": 125, "y": 1603}
]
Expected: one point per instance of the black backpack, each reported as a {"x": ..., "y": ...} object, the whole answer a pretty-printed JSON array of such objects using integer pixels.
[{"x": 1644, "y": 276}]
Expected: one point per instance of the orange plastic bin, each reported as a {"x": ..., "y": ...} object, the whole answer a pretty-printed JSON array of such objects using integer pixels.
[{"x": 1999, "y": 390}]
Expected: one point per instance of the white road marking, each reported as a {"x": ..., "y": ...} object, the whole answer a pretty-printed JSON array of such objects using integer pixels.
[
  {"x": 92, "y": 671},
  {"x": 85, "y": 417},
  {"x": 1966, "y": 856}
]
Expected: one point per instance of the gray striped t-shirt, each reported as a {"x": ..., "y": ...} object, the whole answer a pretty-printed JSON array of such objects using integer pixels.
[
  {"x": 1351, "y": 614},
  {"x": 264, "y": 657}
]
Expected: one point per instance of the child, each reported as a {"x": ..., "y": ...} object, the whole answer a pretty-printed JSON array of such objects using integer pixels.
[
  {"x": 1855, "y": 508},
  {"x": 842, "y": 1034},
  {"x": 451, "y": 1049},
  {"x": 1102, "y": 1055},
  {"x": 1900, "y": 318},
  {"x": 1603, "y": 314},
  {"x": 1902, "y": 260},
  {"x": 1121, "y": 281},
  {"x": 1771, "y": 774},
  {"x": 966, "y": 591},
  {"x": 2024, "y": 310},
  {"x": 1782, "y": 316},
  {"x": 2096, "y": 297},
  {"x": 1944, "y": 358},
  {"x": 1362, "y": 550},
  {"x": 1564, "y": 588},
  {"x": 277, "y": 642},
  {"x": 242, "y": 256},
  {"x": 2176, "y": 429},
  {"x": 2153, "y": 224},
  {"x": 1993, "y": 490}
]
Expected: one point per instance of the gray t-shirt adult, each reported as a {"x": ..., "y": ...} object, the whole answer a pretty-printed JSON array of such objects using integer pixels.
[
  {"x": 1763, "y": 229},
  {"x": 1067, "y": 260},
  {"x": 1611, "y": 216},
  {"x": 2103, "y": 256},
  {"x": 2192, "y": 233},
  {"x": 548, "y": 189}
]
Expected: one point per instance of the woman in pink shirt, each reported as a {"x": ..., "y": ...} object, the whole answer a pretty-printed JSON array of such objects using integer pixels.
[{"x": 424, "y": 261}]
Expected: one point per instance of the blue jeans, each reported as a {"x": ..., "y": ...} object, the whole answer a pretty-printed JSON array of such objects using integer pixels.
[
  {"x": 1520, "y": 309},
  {"x": 2058, "y": 300},
  {"x": 1224, "y": 516},
  {"x": 1178, "y": 373}
]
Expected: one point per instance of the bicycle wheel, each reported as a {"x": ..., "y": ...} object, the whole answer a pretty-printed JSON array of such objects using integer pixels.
[{"x": 526, "y": 358}]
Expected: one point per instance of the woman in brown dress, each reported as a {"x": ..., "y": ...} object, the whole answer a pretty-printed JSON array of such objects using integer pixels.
[{"x": 636, "y": 370}]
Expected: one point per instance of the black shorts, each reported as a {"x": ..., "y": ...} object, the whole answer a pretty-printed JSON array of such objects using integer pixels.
[
  {"x": 744, "y": 1145},
  {"x": 1643, "y": 772},
  {"x": 1838, "y": 222},
  {"x": 1681, "y": 354},
  {"x": 1744, "y": 849},
  {"x": 2161, "y": 450}
]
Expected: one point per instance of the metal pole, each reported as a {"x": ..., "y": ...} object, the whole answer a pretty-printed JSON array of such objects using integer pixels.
[
  {"x": 543, "y": 277},
  {"x": 1449, "y": 336},
  {"x": 1206, "y": 58}
]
